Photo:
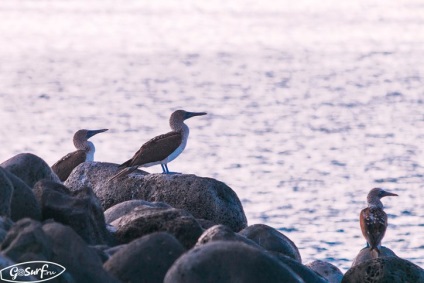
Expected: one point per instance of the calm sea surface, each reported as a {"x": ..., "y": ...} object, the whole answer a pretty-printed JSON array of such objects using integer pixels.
[{"x": 310, "y": 103}]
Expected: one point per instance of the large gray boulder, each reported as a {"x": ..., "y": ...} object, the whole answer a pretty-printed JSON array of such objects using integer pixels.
[
  {"x": 81, "y": 210},
  {"x": 29, "y": 168},
  {"x": 271, "y": 240},
  {"x": 384, "y": 270},
  {"x": 6, "y": 193},
  {"x": 146, "y": 220},
  {"x": 145, "y": 259},
  {"x": 366, "y": 254},
  {"x": 23, "y": 203},
  {"x": 328, "y": 271},
  {"x": 204, "y": 198},
  {"x": 228, "y": 262}
]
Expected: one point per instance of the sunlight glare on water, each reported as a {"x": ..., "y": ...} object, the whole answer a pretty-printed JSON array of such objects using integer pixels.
[{"x": 310, "y": 103}]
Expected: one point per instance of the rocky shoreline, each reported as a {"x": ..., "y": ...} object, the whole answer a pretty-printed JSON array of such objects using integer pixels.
[{"x": 155, "y": 228}]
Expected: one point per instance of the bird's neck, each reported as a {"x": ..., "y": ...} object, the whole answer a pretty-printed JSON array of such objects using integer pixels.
[
  {"x": 375, "y": 202},
  {"x": 178, "y": 126},
  {"x": 90, "y": 151},
  {"x": 88, "y": 147}
]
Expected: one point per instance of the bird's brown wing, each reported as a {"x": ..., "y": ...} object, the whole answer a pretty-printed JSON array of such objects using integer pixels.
[
  {"x": 64, "y": 166},
  {"x": 156, "y": 149},
  {"x": 373, "y": 225}
]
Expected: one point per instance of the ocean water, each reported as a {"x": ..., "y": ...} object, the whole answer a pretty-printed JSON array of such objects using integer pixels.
[{"x": 310, "y": 103}]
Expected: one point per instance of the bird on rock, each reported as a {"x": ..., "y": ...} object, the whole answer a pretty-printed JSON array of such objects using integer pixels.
[
  {"x": 373, "y": 219},
  {"x": 85, "y": 152},
  {"x": 161, "y": 149}
]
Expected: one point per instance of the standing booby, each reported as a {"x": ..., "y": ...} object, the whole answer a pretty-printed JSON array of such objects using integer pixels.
[
  {"x": 85, "y": 152},
  {"x": 373, "y": 219},
  {"x": 161, "y": 149}
]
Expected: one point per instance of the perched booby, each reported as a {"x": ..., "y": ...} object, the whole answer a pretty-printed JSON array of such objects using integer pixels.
[
  {"x": 373, "y": 219},
  {"x": 85, "y": 152},
  {"x": 161, "y": 149}
]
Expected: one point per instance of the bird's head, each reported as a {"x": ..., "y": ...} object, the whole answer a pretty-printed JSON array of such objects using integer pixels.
[
  {"x": 376, "y": 194},
  {"x": 83, "y": 135},
  {"x": 178, "y": 117}
]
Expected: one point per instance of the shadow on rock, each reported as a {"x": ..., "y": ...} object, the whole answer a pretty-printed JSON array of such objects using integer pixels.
[
  {"x": 80, "y": 210},
  {"x": 144, "y": 220},
  {"x": 271, "y": 240},
  {"x": 227, "y": 262},
  {"x": 146, "y": 259}
]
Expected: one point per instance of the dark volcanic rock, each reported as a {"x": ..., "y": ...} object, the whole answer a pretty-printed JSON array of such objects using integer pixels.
[
  {"x": 26, "y": 241},
  {"x": 304, "y": 272},
  {"x": 6, "y": 193},
  {"x": 223, "y": 233},
  {"x": 29, "y": 168},
  {"x": 384, "y": 270},
  {"x": 5, "y": 225},
  {"x": 272, "y": 240},
  {"x": 204, "y": 198},
  {"x": 72, "y": 252},
  {"x": 146, "y": 259},
  {"x": 366, "y": 254},
  {"x": 23, "y": 202},
  {"x": 227, "y": 262},
  {"x": 326, "y": 270},
  {"x": 146, "y": 220},
  {"x": 120, "y": 209},
  {"x": 29, "y": 240},
  {"x": 81, "y": 210}
]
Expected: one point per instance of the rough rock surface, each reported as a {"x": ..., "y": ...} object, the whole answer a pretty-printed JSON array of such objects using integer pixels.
[
  {"x": 5, "y": 225},
  {"x": 26, "y": 241},
  {"x": 384, "y": 270},
  {"x": 271, "y": 240},
  {"x": 146, "y": 259},
  {"x": 6, "y": 193},
  {"x": 223, "y": 233},
  {"x": 120, "y": 209},
  {"x": 366, "y": 254},
  {"x": 81, "y": 210},
  {"x": 29, "y": 168},
  {"x": 23, "y": 202},
  {"x": 146, "y": 220},
  {"x": 29, "y": 240},
  {"x": 228, "y": 262},
  {"x": 326, "y": 270},
  {"x": 82, "y": 262},
  {"x": 204, "y": 198}
]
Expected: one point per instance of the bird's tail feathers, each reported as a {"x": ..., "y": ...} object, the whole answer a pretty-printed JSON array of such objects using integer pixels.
[
  {"x": 377, "y": 250},
  {"x": 125, "y": 164},
  {"x": 123, "y": 172}
]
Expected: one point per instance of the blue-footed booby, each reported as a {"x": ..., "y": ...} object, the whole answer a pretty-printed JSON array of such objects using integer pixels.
[
  {"x": 85, "y": 152},
  {"x": 163, "y": 148},
  {"x": 373, "y": 219}
]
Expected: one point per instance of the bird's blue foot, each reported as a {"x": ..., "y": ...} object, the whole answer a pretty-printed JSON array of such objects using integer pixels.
[{"x": 166, "y": 170}]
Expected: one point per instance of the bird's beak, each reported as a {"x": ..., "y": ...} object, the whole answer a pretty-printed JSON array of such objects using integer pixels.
[
  {"x": 387, "y": 194},
  {"x": 192, "y": 114},
  {"x": 91, "y": 133}
]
